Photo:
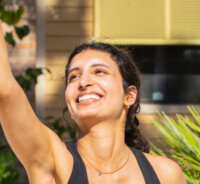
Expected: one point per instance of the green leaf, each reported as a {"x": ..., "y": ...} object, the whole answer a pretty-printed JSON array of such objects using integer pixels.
[
  {"x": 195, "y": 113},
  {"x": 2, "y": 4},
  {"x": 9, "y": 39},
  {"x": 29, "y": 78},
  {"x": 156, "y": 151},
  {"x": 18, "y": 14},
  {"x": 34, "y": 73},
  {"x": 8, "y": 173},
  {"x": 22, "y": 31},
  {"x": 7, "y": 16},
  {"x": 24, "y": 81},
  {"x": 11, "y": 17},
  {"x": 193, "y": 126}
]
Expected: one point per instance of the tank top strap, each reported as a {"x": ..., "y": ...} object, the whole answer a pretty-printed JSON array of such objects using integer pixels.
[
  {"x": 79, "y": 173},
  {"x": 148, "y": 172}
]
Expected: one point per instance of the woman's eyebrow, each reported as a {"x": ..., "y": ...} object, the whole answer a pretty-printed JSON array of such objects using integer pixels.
[
  {"x": 76, "y": 68},
  {"x": 101, "y": 64},
  {"x": 94, "y": 65}
]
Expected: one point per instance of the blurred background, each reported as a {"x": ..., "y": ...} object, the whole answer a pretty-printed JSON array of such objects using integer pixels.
[{"x": 162, "y": 37}]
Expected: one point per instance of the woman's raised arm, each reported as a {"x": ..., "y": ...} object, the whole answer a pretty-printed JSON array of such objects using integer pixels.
[{"x": 28, "y": 137}]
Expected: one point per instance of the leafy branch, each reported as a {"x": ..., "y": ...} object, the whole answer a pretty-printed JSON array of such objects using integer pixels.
[
  {"x": 30, "y": 77},
  {"x": 11, "y": 18}
]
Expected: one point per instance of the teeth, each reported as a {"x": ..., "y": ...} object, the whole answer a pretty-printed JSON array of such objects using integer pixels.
[{"x": 86, "y": 97}]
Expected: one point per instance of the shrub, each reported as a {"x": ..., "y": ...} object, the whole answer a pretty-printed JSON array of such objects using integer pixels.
[
  {"x": 8, "y": 172},
  {"x": 183, "y": 138}
]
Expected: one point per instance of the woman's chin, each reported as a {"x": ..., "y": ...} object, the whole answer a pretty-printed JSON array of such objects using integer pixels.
[
  {"x": 87, "y": 117},
  {"x": 87, "y": 112}
]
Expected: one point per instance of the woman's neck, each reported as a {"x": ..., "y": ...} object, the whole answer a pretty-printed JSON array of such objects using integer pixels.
[{"x": 103, "y": 145}]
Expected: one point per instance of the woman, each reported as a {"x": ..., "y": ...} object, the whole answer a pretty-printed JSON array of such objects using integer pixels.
[{"x": 102, "y": 96}]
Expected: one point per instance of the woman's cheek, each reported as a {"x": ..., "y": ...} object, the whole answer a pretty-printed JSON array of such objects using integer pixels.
[{"x": 68, "y": 95}]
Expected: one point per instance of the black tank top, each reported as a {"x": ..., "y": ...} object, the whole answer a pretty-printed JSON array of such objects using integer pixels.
[{"x": 79, "y": 174}]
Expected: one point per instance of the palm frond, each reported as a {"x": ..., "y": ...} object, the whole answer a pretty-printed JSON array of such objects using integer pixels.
[{"x": 183, "y": 137}]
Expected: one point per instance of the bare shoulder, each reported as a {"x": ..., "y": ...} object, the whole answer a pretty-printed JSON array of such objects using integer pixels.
[
  {"x": 63, "y": 160},
  {"x": 166, "y": 169}
]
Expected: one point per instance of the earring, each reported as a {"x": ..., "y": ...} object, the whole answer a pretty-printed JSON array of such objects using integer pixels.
[{"x": 127, "y": 106}]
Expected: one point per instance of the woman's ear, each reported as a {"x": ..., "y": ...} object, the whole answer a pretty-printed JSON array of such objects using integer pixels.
[{"x": 131, "y": 95}]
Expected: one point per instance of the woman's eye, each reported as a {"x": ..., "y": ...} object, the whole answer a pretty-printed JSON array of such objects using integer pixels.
[
  {"x": 100, "y": 72},
  {"x": 72, "y": 77}
]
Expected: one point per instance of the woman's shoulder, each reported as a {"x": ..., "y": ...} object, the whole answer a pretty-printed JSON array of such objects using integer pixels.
[{"x": 167, "y": 170}]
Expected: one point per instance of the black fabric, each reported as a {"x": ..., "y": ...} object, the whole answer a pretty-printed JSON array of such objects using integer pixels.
[
  {"x": 79, "y": 173},
  {"x": 148, "y": 172}
]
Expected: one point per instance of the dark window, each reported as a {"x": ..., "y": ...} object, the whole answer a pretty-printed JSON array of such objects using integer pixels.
[{"x": 170, "y": 74}]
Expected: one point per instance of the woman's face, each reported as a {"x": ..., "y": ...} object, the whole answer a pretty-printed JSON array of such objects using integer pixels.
[{"x": 94, "y": 89}]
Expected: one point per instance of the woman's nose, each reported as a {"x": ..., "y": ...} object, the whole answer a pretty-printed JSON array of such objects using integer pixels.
[{"x": 84, "y": 82}]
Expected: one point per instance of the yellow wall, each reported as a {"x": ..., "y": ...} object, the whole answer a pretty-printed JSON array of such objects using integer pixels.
[{"x": 157, "y": 22}]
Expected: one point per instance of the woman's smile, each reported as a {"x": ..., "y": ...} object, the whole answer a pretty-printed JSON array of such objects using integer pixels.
[{"x": 88, "y": 98}]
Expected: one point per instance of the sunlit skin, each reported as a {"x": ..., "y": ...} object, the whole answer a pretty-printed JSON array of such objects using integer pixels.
[{"x": 94, "y": 72}]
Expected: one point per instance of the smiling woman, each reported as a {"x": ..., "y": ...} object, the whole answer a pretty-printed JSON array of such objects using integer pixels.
[
  {"x": 102, "y": 96},
  {"x": 103, "y": 61}
]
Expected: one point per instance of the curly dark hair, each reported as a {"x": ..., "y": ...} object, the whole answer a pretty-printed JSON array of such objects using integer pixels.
[{"x": 130, "y": 75}]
